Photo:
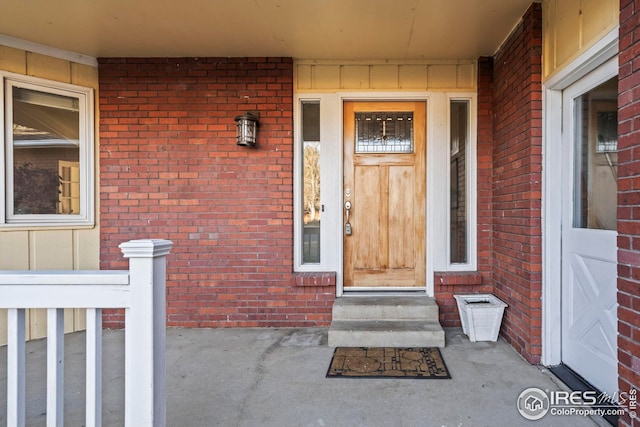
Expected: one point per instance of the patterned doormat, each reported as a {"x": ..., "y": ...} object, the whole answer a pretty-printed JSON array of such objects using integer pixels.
[{"x": 387, "y": 362}]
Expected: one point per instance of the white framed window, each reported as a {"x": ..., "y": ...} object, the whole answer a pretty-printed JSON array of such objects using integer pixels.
[
  {"x": 462, "y": 180},
  {"x": 311, "y": 182},
  {"x": 47, "y": 153},
  {"x": 317, "y": 183}
]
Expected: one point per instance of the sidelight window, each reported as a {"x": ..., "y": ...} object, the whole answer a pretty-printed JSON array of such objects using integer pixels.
[
  {"x": 458, "y": 176},
  {"x": 311, "y": 182}
]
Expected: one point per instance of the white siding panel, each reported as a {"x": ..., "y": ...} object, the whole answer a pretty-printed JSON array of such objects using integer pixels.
[
  {"x": 466, "y": 77},
  {"x": 384, "y": 77},
  {"x": 443, "y": 76},
  {"x": 413, "y": 77},
  {"x": 355, "y": 77},
  {"x": 303, "y": 77},
  {"x": 570, "y": 27},
  {"x": 325, "y": 76}
]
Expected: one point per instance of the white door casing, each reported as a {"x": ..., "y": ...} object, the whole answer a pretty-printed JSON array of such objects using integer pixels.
[
  {"x": 601, "y": 56},
  {"x": 437, "y": 179},
  {"x": 589, "y": 258}
]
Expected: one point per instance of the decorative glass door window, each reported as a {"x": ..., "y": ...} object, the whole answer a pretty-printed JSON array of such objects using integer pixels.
[{"x": 384, "y": 132}]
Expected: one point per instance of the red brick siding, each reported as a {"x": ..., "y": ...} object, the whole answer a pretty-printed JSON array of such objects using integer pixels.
[
  {"x": 485, "y": 166},
  {"x": 517, "y": 177},
  {"x": 170, "y": 168},
  {"x": 448, "y": 284},
  {"x": 629, "y": 202}
]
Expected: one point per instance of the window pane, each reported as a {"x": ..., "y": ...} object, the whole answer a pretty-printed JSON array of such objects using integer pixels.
[
  {"x": 311, "y": 174},
  {"x": 384, "y": 132},
  {"x": 46, "y": 153},
  {"x": 459, "y": 123},
  {"x": 596, "y": 158}
]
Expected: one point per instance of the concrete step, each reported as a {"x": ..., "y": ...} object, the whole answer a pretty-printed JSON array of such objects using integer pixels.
[
  {"x": 385, "y": 308},
  {"x": 385, "y": 321},
  {"x": 385, "y": 333}
]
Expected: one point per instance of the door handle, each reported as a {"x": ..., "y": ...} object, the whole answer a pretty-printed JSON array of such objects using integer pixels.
[{"x": 347, "y": 226}]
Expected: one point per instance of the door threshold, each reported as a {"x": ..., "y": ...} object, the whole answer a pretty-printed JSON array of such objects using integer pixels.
[
  {"x": 576, "y": 383},
  {"x": 387, "y": 292}
]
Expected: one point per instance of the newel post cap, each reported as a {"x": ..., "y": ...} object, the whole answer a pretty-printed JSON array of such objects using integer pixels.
[{"x": 146, "y": 248}]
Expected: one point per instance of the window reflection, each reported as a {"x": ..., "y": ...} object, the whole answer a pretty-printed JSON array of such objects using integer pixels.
[
  {"x": 311, "y": 178},
  {"x": 46, "y": 153},
  {"x": 596, "y": 158},
  {"x": 458, "y": 181}
]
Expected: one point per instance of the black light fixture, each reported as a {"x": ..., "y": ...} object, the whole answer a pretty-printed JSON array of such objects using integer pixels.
[{"x": 246, "y": 129}]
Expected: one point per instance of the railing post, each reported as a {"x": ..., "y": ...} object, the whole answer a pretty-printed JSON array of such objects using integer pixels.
[
  {"x": 55, "y": 367},
  {"x": 16, "y": 371},
  {"x": 145, "y": 333},
  {"x": 93, "y": 388}
]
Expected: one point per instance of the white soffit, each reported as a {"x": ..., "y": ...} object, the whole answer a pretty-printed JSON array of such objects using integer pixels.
[{"x": 302, "y": 29}]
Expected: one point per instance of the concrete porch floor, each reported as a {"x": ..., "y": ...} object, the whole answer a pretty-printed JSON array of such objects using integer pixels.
[{"x": 276, "y": 377}]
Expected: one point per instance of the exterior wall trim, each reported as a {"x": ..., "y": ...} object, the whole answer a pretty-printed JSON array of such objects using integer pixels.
[
  {"x": 597, "y": 55},
  {"x": 366, "y": 76},
  {"x": 48, "y": 50}
]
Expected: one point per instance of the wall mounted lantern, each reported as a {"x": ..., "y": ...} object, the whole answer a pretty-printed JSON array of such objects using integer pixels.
[{"x": 246, "y": 129}]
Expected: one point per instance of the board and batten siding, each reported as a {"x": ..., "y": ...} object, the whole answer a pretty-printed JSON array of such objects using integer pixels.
[
  {"x": 571, "y": 26},
  {"x": 69, "y": 248},
  {"x": 330, "y": 76}
]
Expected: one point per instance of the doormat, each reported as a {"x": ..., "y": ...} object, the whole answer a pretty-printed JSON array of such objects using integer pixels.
[{"x": 388, "y": 362}]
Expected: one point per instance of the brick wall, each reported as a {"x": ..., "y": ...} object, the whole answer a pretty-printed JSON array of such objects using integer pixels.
[
  {"x": 170, "y": 168},
  {"x": 485, "y": 166},
  {"x": 517, "y": 177},
  {"x": 629, "y": 203}
]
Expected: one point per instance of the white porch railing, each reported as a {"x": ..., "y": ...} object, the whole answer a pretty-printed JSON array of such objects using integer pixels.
[{"x": 140, "y": 291}]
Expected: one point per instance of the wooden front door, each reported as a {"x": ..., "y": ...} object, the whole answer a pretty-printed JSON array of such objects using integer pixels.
[{"x": 385, "y": 186}]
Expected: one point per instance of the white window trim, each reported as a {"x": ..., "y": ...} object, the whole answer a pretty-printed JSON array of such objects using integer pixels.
[
  {"x": 471, "y": 177},
  {"x": 85, "y": 96},
  {"x": 298, "y": 188},
  {"x": 331, "y": 182}
]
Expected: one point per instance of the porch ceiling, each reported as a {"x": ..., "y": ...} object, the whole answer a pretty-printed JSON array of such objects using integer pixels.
[{"x": 302, "y": 29}]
